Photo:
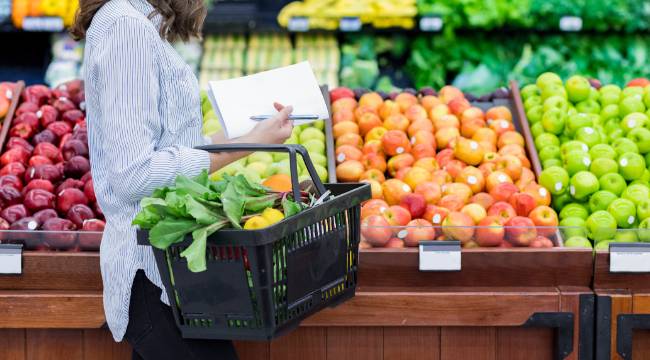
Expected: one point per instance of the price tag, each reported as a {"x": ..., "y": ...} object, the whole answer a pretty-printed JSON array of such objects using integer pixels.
[
  {"x": 431, "y": 23},
  {"x": 440, "y": 256},
  {"x": 52, "y": 24},
  {"x": 298, "y": 24},
  {"x": 11, "y": 259},
  {"x": 570, "y": 23},
  {"x": 350, "y": 24},
  {"x": 629, "y": 258}
]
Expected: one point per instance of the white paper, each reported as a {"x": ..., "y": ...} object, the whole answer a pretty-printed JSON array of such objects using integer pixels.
[{"x": 236, "y": 100}]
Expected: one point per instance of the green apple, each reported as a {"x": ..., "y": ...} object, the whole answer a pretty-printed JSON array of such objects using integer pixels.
[
  {"x": 603, "y": 245},
  {"x": 578, "y": 88},
  {"x": 588, "y": 106},
  {"x": 551, "y": 162},
  {"x": 647, "y": 158},
  {"x": 314, "y": 146},
  {"x": 296, "y": 131},
  {"x": 555, "y": 179},
  {"x": 553, "y": 121},
  {"x": 589, "y": 136},
  {"x": 318, "y": 159},
  {"x": 564, "y": 138},
  {"x": 643, "y": 183},
  {"x": 610, "y": 88},
  {"x": 554, "y": 90},
  {"x": 613, "y": 183},
  {"x": 609, "y": 112},
  {"x": 594, "y": 94},
  {"x": 626, "y": 236},
  {"x": 610, "y": 98},
  {"x": 556, "y": 102},
  {"x": 614, "y": 135},
  {"x": 632, "y": 91},
  {"x": 573, "y": 146},
  {"x": 602, "y": 151},
  {"x": 583, "y": 184},
  {"x": 577, "y": 242},
  {"x": 601, "y": 225},
  {"x": 631, "y": 165},
  {"x": 600, "y": 200},
  {"x": 251, "y": 176},
  {"x": 561, "y": 200},
  {"x": 636, "y": 193},
  {"x": 537, "y": 129},
  {"x": 577, "y": 161},
  {"x": 646, "y": 96},
  {"x": 602, "y": 166},
  {"x": 546, "y": 79},
  {"x": 641, "y": 137},
  {"x": 259, "y": 168},
  {"x": 644, "y": 230},
  {"x": 624, "y": 145},
  {"x": 578, "y": 120},
  {"x": 549, "y": 152},
  {"x": 277, "y": 157},
  {"x": 293, "y": 139},
  {"x": 633, "y": 120},
  {"x": 612, "y": 124},
  {"x": 529, "y": 91},
  {"x": 631, "y": 105},
  {"x": 574, "y": 210},
  {"x": 624, "y": 211},
  {"x": 260, "y": 156},
  {"x": 311, "y": 133},
  {"x": 573, "y": 226},
  {"x": 282, "y": 167},
  {"x": 643, "y": 209},
  {"x": 532, "y": 101},
  {"x": 535, "y": 114},
  {"x": 319, "y": 124},
  {"x": 322, "y": 172},
  {"x": 546, "y": 139}
]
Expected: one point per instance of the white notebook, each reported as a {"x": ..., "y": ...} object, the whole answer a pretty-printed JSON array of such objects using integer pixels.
[{"x": 236, "y": 100}]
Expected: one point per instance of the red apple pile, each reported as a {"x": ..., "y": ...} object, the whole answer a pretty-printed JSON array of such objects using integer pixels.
[
  {"x": 45, "y": 179},
  {"x": 439, "y": 168}
]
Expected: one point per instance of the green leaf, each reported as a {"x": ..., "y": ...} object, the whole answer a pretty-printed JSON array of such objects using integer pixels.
[
  {"x": 233, "y": 205},
  {"x": 171, "y": 230},
  {"x": 200, "y": 212},
  {"x": 186, "y": 185},
  {"x": 195, "y": 253},
  {"x": 259, "y": 203},
  {"x": 147, "y": 218},
  {"x": 176, "y": 204},
  {"x": 290, "y": 207}
]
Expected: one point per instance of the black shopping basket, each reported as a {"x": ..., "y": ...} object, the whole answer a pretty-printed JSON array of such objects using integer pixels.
[{"x": 260, "y": 284}]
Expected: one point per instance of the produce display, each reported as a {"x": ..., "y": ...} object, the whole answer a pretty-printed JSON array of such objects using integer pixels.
[
  {"x": 45, "y": 180},
  {"x": 328, "y": 14},
  {"x": 200, "y": 207},
  {"x": 438, "y": 168},
  {"x": 64, "y": 9},
  {"x": 594, "y": 145},
  {"x": 67, "y": 55},
  {"x": 6, "y": 95}
]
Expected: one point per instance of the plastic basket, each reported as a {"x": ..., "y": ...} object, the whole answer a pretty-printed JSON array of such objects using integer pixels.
[{"x": 260, "y": 284}]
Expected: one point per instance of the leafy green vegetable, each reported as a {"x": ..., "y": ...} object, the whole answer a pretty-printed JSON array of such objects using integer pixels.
[{"x": 171, "y": 230}]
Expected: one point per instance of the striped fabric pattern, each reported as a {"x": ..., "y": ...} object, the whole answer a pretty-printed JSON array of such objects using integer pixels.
[{"x": 144, "y": 117}]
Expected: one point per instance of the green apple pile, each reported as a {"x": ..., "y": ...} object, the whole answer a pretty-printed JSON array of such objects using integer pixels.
[
  {"x": 211, "y": 123},
  {"x": 594, "y": 146}
]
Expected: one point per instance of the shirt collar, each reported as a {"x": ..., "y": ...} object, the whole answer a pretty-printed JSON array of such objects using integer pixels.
[{"x": 147, "y": 9}]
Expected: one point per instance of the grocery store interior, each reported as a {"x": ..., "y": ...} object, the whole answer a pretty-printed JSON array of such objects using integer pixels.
[{"x": 479, "y": 187}]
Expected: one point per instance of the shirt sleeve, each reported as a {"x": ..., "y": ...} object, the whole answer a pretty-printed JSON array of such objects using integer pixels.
[{"x": 128, "y": 75}]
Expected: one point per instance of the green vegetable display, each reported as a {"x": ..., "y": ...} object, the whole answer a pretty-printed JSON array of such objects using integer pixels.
[{"x": 201, "y": 207}]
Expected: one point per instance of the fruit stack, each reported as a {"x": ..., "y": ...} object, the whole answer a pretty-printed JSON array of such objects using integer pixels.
[
  {"x": 223, "y": 58},
  {"x": 268, "y": 51},
  {"x": 594, "y": 145},
  {"x": 439, "y": 166},
  {"x": 64, "y": 9},
  {"x": 322, "y": 52},
  {"x": 45, "y": 180}
]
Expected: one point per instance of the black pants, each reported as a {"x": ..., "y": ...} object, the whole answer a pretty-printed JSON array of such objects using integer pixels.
[{"x": 153, "y": 334}]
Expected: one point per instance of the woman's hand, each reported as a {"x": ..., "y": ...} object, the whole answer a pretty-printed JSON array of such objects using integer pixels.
[{"x": 274, "y": 130}]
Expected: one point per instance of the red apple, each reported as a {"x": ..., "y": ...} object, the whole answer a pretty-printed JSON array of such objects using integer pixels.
[
  {"x": 520, "y": 231},
  {"x": 397, "y": 216},
  {"x": 484, "y": 199},
  {"x": 376, "y": 230},
  {"x": 415, "y": 203},
  {"x": 373, "y": 207},
  {"x": 490, "y": 231},
  {"x": 419, "y": 230},
  {"x": 547, "y": 218},
  {"x": 503, "y": 210},
  {"x": 394, "y": 243},
  {"x": 503, "y": 191},
  {"x": 458, "y": 226},
  {"x": 523, "y": 203}
]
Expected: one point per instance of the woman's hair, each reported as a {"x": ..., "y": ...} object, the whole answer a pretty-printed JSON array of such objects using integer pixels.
[{"x": 181, "y": 19}]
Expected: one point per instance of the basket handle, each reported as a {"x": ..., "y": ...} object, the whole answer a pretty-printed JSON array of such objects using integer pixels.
[{"x": 292, "y": 149}]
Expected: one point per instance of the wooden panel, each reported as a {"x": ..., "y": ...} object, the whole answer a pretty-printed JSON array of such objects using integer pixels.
[
  {"x": 480, "y": 267},
  {"x": 603, "y": 279},
  {"x": 437, "y": 309},
  {"x": 641, "y": 344},
  {"x": 621, "y": 304},
  {"x": 252, "y": 350},
  {"x": 641, "y": 304},
  {"x": 53, "y": 309},
  {"x": 570, "y": 302},
  {"x": 49, "y": 344},
  {"x": 475, "y": 343},
  {"x": 17, "y": 90},
  {"x": 412, "y": 343},
  {"x": 524, "y": 343},
  {"x": 56, "y": 271},
  {"x": 99, "y": 345},
  {"x": 12, "y": 344},
  {"x": 304, "y": 343},
  {"x": 519, "y": 117},
  {"x": 357, "y": 343}
]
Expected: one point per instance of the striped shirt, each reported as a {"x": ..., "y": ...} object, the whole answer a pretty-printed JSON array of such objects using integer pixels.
[{"x": 144, "y": 117}]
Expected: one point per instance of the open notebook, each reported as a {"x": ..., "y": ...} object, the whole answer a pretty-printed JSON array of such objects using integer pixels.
[{"x": 236, "y": 100}]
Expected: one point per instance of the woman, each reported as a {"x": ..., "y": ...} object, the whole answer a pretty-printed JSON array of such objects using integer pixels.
[{"x": 144, "y": 118}]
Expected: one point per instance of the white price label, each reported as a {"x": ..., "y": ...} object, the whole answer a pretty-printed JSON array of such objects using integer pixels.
[
  {"x": 350, "y": 24},
  {"x": 52, "y": 24},
  {"x": 570, "y": 23},
  {"x": 431, "y": 23},
  {"x": 629, "y": 258},
  {"x": 298, "y": 24},
  {"x": 440, "y": 256},
  {"x": 11, "y": 259}
]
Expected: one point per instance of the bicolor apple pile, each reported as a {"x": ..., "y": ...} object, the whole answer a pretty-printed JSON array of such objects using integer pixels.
[
  {"x": 439, "y": 168},
  {"x": 594, "y": 145}
]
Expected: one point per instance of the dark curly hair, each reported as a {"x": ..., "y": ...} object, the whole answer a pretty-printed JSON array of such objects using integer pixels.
[{"x": 182, "y": 19}]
